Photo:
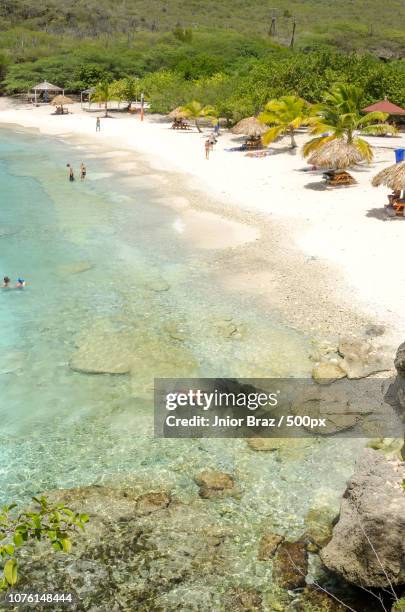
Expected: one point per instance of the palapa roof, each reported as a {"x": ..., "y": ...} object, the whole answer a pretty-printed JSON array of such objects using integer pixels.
[
  {"x": 251, "y": 127},
  {"x": 61, "y": 100},
  {"x": 178, "y": 113},
  {"x": 45, "y": 86},
  {"x": 392, "y": 177},
  {"x": 336, "y": 154},
  {"x": 384, "y": 106}
]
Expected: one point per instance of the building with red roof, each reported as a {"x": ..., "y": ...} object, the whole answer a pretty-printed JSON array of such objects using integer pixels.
[{"x": 385, "y": 106}]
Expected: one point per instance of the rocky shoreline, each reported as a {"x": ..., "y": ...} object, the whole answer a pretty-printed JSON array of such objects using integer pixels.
[{"x": 147, "y": 550}]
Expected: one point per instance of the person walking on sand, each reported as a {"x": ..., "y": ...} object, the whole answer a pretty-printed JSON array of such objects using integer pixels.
[
  {"x": 83, "y": 171},
  {"x": 98, "y": 124},
  {"x": 207, "y": 148},
  {"x": 71, "y": 173}
]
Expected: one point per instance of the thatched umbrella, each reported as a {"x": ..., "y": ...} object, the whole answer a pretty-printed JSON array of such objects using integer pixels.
[
  {"x": 61, "y": 101},
  {"x": 392, "y": 177},
  {"x": 336, "y": 154},
  {"x": 45, "y": 88},
  {"x": 250, "y": 127},
  {"x": 178, "y": 113}
]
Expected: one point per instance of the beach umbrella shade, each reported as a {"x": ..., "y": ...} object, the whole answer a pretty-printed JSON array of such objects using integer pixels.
[
  {"x": 392, "y": 177},
  {"x": 45, "y": 86},
  {"x": 61, "y": 100},
  {"x": 178, "y": 113},
  {"x": 250, "y": 127},
  {"x": 336, "y": 154}
]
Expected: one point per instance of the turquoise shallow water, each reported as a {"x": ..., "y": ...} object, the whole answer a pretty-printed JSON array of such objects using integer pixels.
[{"x": 96, "y": 257}]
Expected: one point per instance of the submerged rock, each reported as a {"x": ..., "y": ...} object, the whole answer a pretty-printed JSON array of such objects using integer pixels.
[
  {"x": 268, "y": 546},
  {"x": 214, "y": 484},
  {"x": 242, "y": 600},
  {"x": 291, "y": 565},
  {"x": 229, "y": 328},
  {"x": 361, "y": 358},
  {"x": 12, "y": 362},
  {"x": 368, "y": 546},
  {"x": 158, "y": 285},
  {"x": 7, "y": 231},
  {"x": 76, "y": 267},
  {"x": 151, "y": 502},
  {"x": 110, "y": 348},
  {"x": 139, "y": 552},
  {"x": 315, "y": 600},
  {"x": 287, "y": 448},
  {"x": 103, "y": 354},
  {"x": 338, "y": 405},
  {"x": 327, "y": 372},
  {"x": 319, "y": 523},
  {"x": 175, "y": 330}
]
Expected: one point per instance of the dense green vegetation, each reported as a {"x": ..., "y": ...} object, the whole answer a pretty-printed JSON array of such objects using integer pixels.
[{"x": 238, "y": 72}]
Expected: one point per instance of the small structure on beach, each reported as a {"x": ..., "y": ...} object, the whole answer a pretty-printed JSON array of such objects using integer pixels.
[
  {"x": 60, "y": 101},
  {"x": 253, "y": 129},
  {"x": 335, "y": 157},
  {"x": 43, "y": 90},
  {"x": 385, "y": 106},
  {"x": 86, "y": 94},
  {"x": 393, "y": 177},
  {"x": 179, "y": 116}
]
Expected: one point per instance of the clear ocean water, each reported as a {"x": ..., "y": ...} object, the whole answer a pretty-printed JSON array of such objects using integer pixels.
[{"x": 104, "y": 258}]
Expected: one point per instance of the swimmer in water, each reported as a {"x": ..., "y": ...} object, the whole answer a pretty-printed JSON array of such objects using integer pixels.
[
  {"x": 6, "y": 282},
  {"x": 20, "y": 283}
]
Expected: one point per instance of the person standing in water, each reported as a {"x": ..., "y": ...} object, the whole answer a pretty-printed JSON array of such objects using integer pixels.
[
  {"x": 83, "y": 171},
  {"x": 20, "y": 284},
  {"x": 98, "y": 124},
  {"x": 71, "y": 173},
  {"x": 6, "y": 282}
]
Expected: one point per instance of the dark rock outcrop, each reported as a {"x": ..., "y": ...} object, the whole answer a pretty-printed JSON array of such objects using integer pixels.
[{"x": 368, "y": 546}]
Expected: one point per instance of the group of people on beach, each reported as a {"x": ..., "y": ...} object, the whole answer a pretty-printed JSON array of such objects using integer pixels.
[
  {"x": 71, "y": 174},
  {"x": 20, "y": 284}
]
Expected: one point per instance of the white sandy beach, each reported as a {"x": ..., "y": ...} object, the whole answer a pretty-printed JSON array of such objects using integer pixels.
[{"x": 325, "y": 259}]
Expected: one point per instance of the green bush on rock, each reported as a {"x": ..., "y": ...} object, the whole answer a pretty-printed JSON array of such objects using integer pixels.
[{"x": 54, "y": 523}]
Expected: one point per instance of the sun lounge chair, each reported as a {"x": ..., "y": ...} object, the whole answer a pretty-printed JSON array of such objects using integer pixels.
[
  {"x": 180, "y": 124},
  {"x": 337, "y": 178}
]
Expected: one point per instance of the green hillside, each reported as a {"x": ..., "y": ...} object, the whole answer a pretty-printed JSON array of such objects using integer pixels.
[
  {"x": 365, "y": 25},
  {"x": 220, "y": 54}
]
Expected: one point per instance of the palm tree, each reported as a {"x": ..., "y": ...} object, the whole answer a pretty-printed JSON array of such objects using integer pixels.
[
  {"x": 285, "y": 114},
  {"x": 103, "y": 93},
  {"x": 195, "y": 110},
  {"x": 339, "y": 116}
]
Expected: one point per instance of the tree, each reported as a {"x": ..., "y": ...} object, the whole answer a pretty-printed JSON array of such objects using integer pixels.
[
  {"x": 339, "y": 116},
  {"x": 54, "y": 523},
  {"x": 195, "y": 110},
  {"x": 125, "y": 90},
  {"x": 285, "y": 114},
  {"x": 104, "y": 93}
]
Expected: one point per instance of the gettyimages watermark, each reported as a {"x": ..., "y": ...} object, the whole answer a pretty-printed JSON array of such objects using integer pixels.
[{"x": 281, "y": 408}]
